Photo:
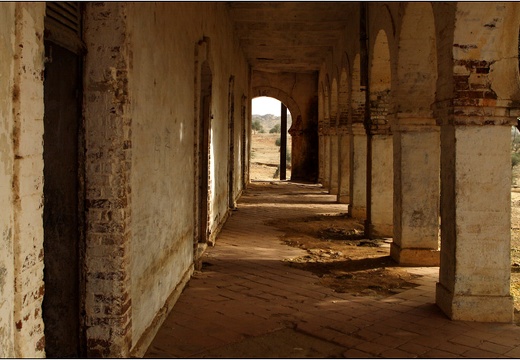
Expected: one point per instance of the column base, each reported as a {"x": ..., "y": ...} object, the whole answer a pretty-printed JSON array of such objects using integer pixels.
[
  {"x": 343, "y": 199},
  {"x": 414, "y": 257},
  {"x": 358, "y": 212},
  {"x": 382, "y": 230},
  {"x": 474, "y": 307}
]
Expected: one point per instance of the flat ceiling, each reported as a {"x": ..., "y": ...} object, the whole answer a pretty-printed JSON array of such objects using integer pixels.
[{"x": 289, "y": 36}]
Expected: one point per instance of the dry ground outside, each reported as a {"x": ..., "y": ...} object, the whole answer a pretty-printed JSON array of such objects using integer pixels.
[
  {"x": 265, "y": 157},
  {"x": 515, "y": 242},
  {"x": 337, "y": 251}
]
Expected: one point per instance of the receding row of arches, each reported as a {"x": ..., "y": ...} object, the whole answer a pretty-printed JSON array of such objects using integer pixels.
[{"x": 397, "y": 123}]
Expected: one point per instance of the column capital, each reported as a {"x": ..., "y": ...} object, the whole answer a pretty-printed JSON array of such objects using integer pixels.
[
  {"x": 477, "y": 112},
  {"x": 358, "y": 129},
  {"x": 343, "y": 130}
]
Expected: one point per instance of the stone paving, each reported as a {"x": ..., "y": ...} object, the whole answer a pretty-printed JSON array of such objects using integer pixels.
[{"x": 246, "y": 303}]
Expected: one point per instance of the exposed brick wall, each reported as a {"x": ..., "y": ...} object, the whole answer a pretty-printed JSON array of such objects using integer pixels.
[
  {"x": 358, "y": 106},
  {"x": 475, "y": 102},
  {"x": 27, "y": 183},
  {"x": 379, "y": 109},
  {"x": 344, "y": 99},
  {"x": 108, "y": 193}
]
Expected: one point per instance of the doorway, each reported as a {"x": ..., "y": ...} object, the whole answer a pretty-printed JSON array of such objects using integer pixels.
[
  {"x": 204, "y": 153},
  {"x": 231, "y": 140},
  {"x": 61, "y": 216},
  {"x": 267, "y": 146}
]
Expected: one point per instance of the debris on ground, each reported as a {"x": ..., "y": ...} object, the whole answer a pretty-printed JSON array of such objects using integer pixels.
[{"x": 342, "y": 257}]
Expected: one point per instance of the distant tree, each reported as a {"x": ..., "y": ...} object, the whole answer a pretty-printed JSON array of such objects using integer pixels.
[
  {"x": 515, "y": 159},
  {"x": 278, "y": 142},
  {"x": 275, "y": 129},
  {"x": 256, "y": 126}
]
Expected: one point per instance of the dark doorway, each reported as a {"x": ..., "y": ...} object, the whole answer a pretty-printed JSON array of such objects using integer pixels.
[
  {"x": 231, "y": 139},
  {"x": 61, "y": 217}
]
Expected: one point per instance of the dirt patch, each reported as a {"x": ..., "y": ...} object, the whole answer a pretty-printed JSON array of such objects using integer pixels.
[{"x": 343, "y": 259}]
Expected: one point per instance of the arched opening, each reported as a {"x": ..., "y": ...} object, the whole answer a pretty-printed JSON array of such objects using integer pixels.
[
  {"x": 321, "y": 135},
  {"x": 266, "y": 140},
  {"x": 326, "y": 102},
  {"x": 416, "y": 136},
  {"x": 326, "y": 133},
  {"x": 358, "y": 145},
  {"x": 334, "y": 138},
  {"x": 334, "y": 103},
  {"x": 380, "y": 154},
  {"x": 343, "y": 136}
]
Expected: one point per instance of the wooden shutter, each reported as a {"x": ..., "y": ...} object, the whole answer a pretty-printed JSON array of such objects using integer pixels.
[{"x": 63, "y": 24}]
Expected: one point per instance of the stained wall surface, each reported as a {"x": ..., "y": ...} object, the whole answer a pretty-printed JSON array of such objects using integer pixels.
[
  {"x": 163, "y": 128},
  {"x": 6, "y": 179},
  {"x": 21, "y": 180}
]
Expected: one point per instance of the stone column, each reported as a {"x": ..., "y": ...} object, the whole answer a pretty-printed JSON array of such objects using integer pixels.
[
  {"x": 344, "y": 166},
  {"x": 321, "y": 157},
  {"x": 334, "y": 162},
  {"x": 474, "y": 277},
  {"x": 382, "y": 186},
  {"x": 358, "y": 185},
  {"x": 326, "y": 159},
  {"x": 416, "y": 192},
  {"x": 283, "y": 143}
]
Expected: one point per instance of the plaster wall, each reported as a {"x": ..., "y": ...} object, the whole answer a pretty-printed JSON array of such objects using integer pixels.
[
  {"x": 7, "y": 43},
  {"x": 27, "y": 175},
  {"x": 162, "y": 90}
]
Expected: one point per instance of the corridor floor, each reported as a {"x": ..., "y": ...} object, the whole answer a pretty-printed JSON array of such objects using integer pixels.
[{"x": 246, "y": 303}]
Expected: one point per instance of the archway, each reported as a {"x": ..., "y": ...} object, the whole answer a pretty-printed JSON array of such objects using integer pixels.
[
  {"x": 267, "y": 140},
  {"x": 334, "y": 138},
  {"x": 358, "y": 145},
  {"x": 416, "y": 142},
  {"x": 63, "y": 156},
  {"x": 380, "y": 152},
  {"x": 343, "y": 135}
]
